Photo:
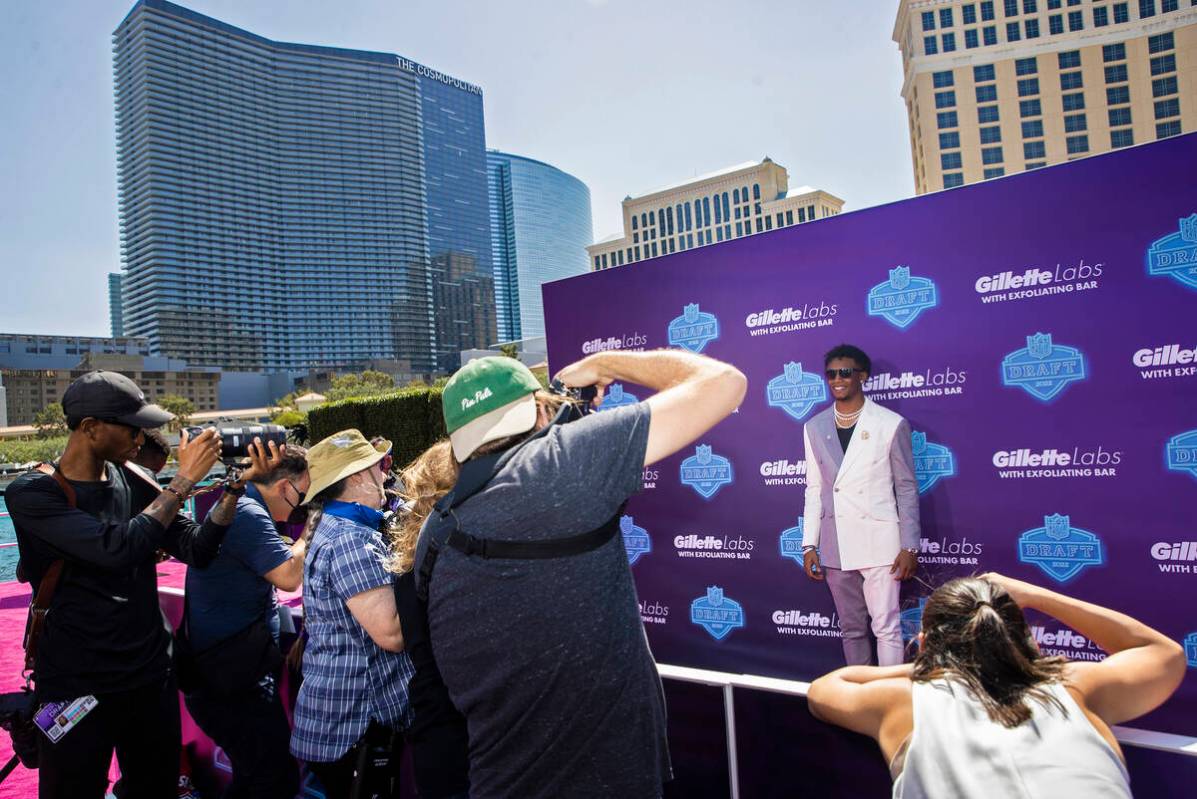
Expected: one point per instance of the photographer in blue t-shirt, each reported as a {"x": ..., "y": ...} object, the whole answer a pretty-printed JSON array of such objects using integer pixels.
[{"x": 232, "y": 618}]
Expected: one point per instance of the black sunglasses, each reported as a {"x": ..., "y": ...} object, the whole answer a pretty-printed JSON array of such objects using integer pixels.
[
  {"x": 844, "y": 373},
  {"x": 133, "y": 429}
]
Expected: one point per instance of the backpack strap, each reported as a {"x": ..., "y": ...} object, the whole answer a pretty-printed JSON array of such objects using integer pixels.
[{"x": 40, "y": 606}]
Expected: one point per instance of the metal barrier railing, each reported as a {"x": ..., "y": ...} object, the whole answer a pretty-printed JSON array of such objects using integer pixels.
[{"x": 1130, "y": 736}]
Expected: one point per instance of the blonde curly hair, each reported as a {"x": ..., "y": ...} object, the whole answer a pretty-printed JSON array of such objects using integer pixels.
[{"x": 424, "y": 481}]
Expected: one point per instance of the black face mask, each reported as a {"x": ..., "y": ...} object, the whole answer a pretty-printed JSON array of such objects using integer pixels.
[{"x": 299, "y": 511}]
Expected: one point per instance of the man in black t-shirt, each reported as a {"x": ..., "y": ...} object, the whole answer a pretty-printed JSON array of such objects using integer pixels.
[{"x": 105, "y": 635}]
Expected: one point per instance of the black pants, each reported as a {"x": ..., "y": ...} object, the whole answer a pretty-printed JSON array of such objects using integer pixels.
[
  {"x": 363, "y": 764},
  {"x": 251, "y": 727},
  {"x": 142, "y": 725}
]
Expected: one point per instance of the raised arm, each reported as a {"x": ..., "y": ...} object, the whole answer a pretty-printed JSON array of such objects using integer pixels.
[
  {"x": 1144, "y": 666},
  {"x": 694, "y": 392},
  {"x": 870, "y": 700}
]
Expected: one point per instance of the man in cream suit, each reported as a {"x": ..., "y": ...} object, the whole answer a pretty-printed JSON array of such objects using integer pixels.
[{"x": 862, "y": 509}]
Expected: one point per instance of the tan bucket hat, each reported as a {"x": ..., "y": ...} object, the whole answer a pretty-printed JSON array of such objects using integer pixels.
[{"x": 338, "y": 456}]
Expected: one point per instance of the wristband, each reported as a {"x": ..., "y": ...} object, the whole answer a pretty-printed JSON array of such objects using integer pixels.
[{"x": 179, "y": 496}]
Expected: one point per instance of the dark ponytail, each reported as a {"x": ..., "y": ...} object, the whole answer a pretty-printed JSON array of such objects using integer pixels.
[{"x": 975, "y": 633}]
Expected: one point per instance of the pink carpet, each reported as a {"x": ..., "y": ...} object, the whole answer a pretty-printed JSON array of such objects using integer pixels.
[{"x": 14, "y": 606}]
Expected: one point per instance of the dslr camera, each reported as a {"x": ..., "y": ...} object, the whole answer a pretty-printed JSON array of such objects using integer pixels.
[{"x": 235, "y": 441}]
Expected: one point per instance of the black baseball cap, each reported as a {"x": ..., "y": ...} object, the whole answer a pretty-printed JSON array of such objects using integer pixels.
[{"x": 111, "y": 396}]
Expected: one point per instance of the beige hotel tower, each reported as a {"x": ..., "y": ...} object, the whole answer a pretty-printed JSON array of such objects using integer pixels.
[
  {"x": 738, "y": 201},
  {"x": 994, "y": 87}
]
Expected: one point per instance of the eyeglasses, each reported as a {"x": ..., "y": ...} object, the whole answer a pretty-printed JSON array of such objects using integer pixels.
[{"x": 844, "y": 373}]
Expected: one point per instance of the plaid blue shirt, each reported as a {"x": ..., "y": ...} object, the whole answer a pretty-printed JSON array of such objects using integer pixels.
[{"x": 347, "y": 679}]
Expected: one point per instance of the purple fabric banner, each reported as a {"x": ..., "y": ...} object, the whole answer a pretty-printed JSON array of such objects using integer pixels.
[{"x": 1039, "y": 332}]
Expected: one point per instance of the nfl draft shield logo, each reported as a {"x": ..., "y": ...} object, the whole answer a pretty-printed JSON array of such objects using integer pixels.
[
  {"x": 1182, "y": 452},
  {"x": 1190, "y": 644},
  {"x": 616, "y": 397},
  {"x": 1060, "y": 549},
  {"x": 635, "y": 539},
  {"x": 716, "y": 614},
  {"x": 693, "y": 330},
  {"x": 902, "y": 298},
  {"x": 796, "y": 392},
  {"x": 1175, "y": 255},
  {"x": 912, "y": 621},
  {"x": 706, "y": 472},
  {"x": 931, "y": 461},
  {"x": 791, "y": 542},
  {"x": 1043, "y": 369}
]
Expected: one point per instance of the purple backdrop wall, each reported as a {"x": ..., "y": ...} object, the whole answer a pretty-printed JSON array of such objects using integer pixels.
[{"x": 1038, "y": 331}]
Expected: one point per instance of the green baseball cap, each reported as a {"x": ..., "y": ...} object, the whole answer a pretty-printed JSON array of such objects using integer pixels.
[{"x": 488, "y": 399}]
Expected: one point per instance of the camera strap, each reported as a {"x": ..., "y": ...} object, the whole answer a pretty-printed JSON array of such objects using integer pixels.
[
  {"x": 40, "y": 605},
  {"x": 475, "y": 475}
]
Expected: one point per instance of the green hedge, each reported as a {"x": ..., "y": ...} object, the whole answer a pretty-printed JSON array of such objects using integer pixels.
[
  {"x": 37, "y": 449},
  {"x": 411, "y": 418}
]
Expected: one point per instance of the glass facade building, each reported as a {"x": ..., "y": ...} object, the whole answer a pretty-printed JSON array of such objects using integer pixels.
[
  {"x": 540, "y": 228},
  {"x": 285, "y": 206},
  {"x": 115, "y": 317}
]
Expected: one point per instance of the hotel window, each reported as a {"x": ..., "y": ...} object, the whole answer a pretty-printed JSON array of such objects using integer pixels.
[
  {"x": 768, "y": 223},
  {"x": 1011, "y": 7},
  {"x": 1113, "y": 52},
  {"x": 1012, "y": 32},
  {"x": 1121, "y": 13},
  {"x": 1116, "y": 73},
  {"x": 1101, "y": 17},
  {"x": 1163, "y": 63},
  {"x": 737, "y": 211},
  {"x": 1158, "y": 44},
  {"x": 930, "y": 47},
  {"x": 1055, "y": 24},
  {"x": 1070, "y": 59},
  {"x": 987, "y": 113},
  {"x": 1074, "y": 102},
  {"x": 928, "y": 20},
  {"x": 1117, "y": 94},
  {"x": 969, "y": 14},
  {"x": 970, "y": 39},
  {"x": 987, "y": 94},
  {"x": 654, "y": 249},
  {"x": 1077, "y": 144},
  {"x": 1119, "y": 117},
  {"x": 947, "y": 119},
  {"x": 987, "y": 10},
  {"x": 991, "y": 155},
  {"x": 1166, "y": 129},
  {"x": 983, "y": 73},
  {"x": 994, "y": 172},
  {"x": 756, "y": 191},
  {"x": 1030, "y": 6},
  {"x": 1122, "y": 138},
  {"x": 1146, "y": 8},
  {"x": 758, "y": 226},
  {"x": 1162, "y": 87},
  {"x": 739, "y": 229},
  {"x": 989, "y": 35},
  {"x": 952, "y": 180},
  {"x": 718, "y": 212},
  {"x": 726, "y": 215},
  {"x": 950, "y": 161},
  {"x": 945, "y": 17},
  {"x": 945, "y": 99},
  {"x": 1033, "y": 149},
  {"x": 1070, "y": 80},
  {"x": 1053, "y": 5},
  {"x": 1028, "y": 86},
  {"x": 736, "y": 199},
  {"x": 991, "y": 135},
  {"x": 949, "y": 141},
  {"x": 949, "y": 42},
  {"x": 1075, "y": 123},
  {"x": 1026, "y": 66},
  {"x": 1032, "y": 129},
  {"x": 1169, "y": 5},
  {"x": 635, "y": 226},
  {"x": 1076, "y": 21},
  {"x": 1032, "y": 28},
  {"x": 1029, "y": 108},
  {"x": 1167, "y": 108}
]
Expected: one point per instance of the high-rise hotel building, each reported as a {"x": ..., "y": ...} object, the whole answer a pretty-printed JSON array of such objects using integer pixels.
[
  {"x": 285, "y": 206},
  {"x": 739, "y": 201},
  {"x": 994, "y": 87}
]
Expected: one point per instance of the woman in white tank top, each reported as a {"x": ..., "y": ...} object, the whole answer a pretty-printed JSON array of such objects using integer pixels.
[{"x": 981, "y": 713}]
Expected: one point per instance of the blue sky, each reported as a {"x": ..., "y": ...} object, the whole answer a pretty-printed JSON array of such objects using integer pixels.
[{"x": 624, "y": 94}]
